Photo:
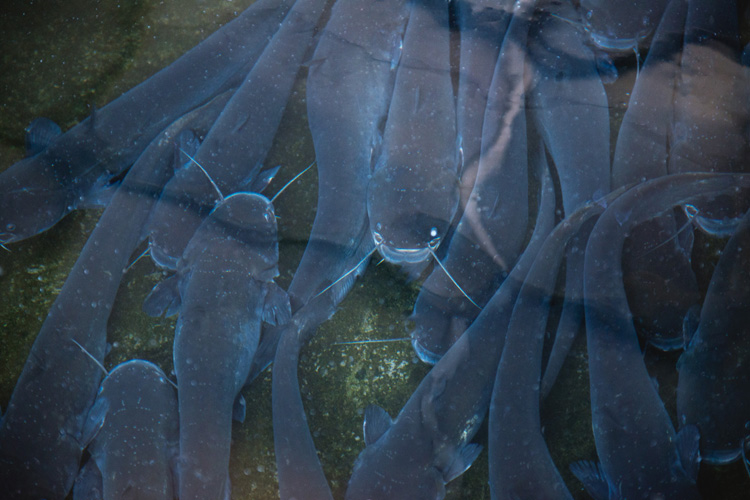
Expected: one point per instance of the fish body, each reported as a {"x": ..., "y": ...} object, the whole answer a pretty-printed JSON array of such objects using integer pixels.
[
  {"x": 490, "y": 235},
  {"x": 656, "y": 256},
  {"x": 413, "y": 192},
  {"x": 224, "y": 290},
  {"x": 132, "y": 436},
  {"x": 427, "y": 444},
  {"x": 711, "y": 106}
]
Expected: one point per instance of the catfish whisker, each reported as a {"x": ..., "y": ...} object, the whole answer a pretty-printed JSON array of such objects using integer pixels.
[
  {"x": 292, "y": 180},
  {"x": 350, "y": 271},
  {"x": 691, "y": 212},
  {"x": 452, "y": 280},
  {"x": 221, "y": 196},
  {"x": 98, "y": 363},
  {"x": 143, "y": 254},
  {"x": 4, "y": 247},
  {"x": 378, "y": 341},
  {"x": 637, "y": 62}
]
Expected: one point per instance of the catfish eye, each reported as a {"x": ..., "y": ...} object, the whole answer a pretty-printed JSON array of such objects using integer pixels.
[
  {"x": 10, "y": 227},
  {"x": 435, "y": 241}
]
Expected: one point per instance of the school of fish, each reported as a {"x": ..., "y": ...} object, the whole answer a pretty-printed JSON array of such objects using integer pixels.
[{"x": 472, "y": 146}]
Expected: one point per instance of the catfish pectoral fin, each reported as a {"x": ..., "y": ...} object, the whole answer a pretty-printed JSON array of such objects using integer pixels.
[
  {"x": 164, "y": 299},
  {"x": 277, "y": 310}
]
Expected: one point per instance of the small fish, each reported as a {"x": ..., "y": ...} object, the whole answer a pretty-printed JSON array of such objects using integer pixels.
[
  {"x": 224, "y": 290},
  {"x": 413, "y": 192},
  {"x": 131, "y": 435},
  {"x": 493, "y": 227},
  {"x": 427, "y": 445}
]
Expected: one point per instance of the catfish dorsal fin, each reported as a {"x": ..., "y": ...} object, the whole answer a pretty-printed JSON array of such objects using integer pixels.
[
  {"x": 377, "y": 422},
  {"x": 164, "y": 299}
]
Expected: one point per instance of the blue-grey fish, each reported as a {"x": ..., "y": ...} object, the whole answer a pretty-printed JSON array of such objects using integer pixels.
[
  {"x": 354, "y": 57},
  {"x": 482, "y": 25},
  {"x": 74, "y": 170},
  {"x": 519, "y": 461},
  {"x": 235, "y": 148},
  {"x": 357, "y": 55},
  {"x": 131, "y": 435},
  {"x": 299, "y": 470},
  {"x": 224, "y": 288},
  {"x": 568, "y": 105},
  {"x": 40, "y": 450},
  {"x": 659, "y": 280},
  {"x": 569, "y": 108},
  {"x": 413, "y": 193},
  {"x": 428, "y": 444},
  {"x": 714, "y": 369},
  {"x": 631, "y": 425},
  {"x": 493, "y": 227}
]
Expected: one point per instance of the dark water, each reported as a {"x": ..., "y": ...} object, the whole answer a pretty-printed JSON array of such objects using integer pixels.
[{"x": 59, "y": 60}]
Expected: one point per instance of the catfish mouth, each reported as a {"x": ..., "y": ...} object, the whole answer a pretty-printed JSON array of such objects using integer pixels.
[
  {"x": 404, "y": 255},
  {"x": 426, "y": 355},
  {"x": 398, "y": 255},
  {"x": 616, "y": 44}
]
